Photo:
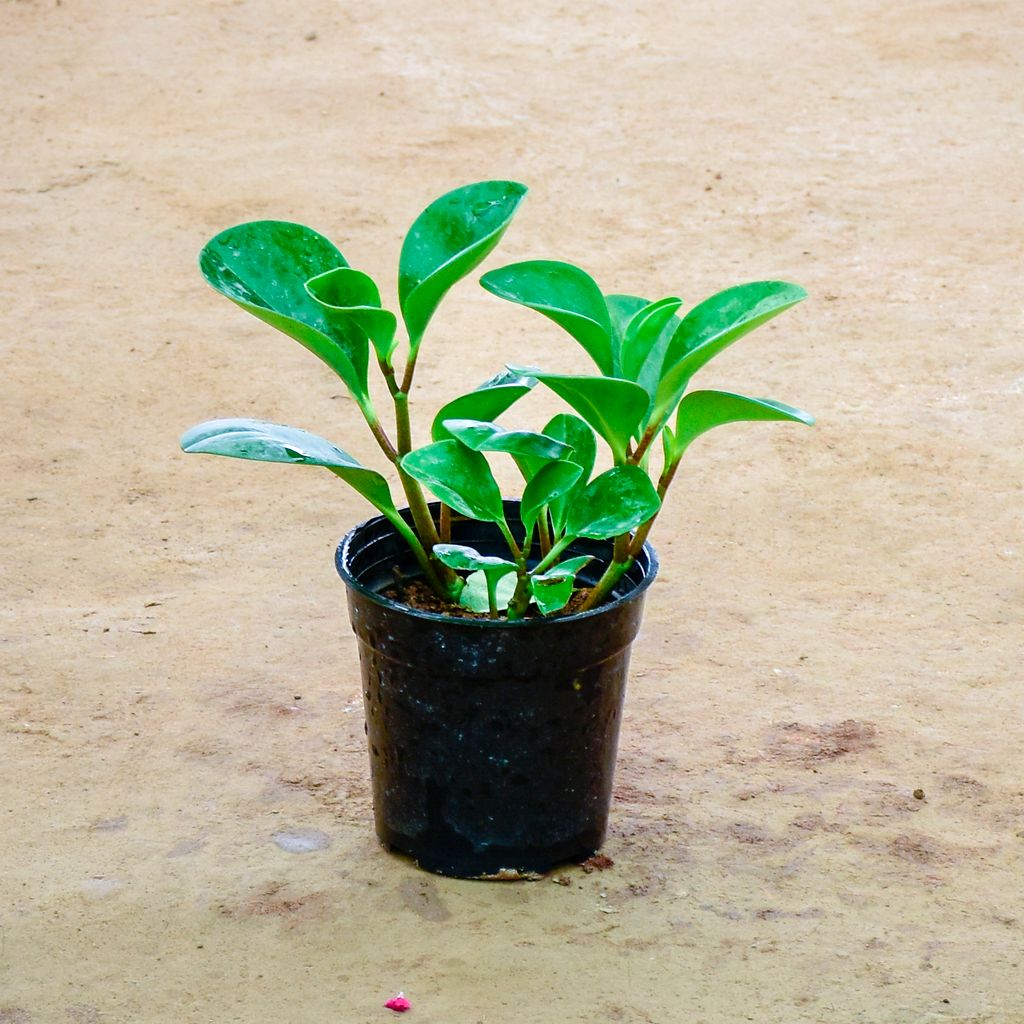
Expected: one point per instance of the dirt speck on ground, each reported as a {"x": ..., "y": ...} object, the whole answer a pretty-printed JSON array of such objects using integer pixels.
[{"x": 837, "y": 621}]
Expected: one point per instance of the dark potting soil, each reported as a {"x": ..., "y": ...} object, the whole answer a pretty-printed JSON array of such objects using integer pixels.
[{"x": 416, "y": 594}]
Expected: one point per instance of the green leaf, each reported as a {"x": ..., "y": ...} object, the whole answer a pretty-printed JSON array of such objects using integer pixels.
[
  {"x": 700, "y": 411},
  {"x": 574, "y": 431},
  {"x": 547, "y": 484},
  {"x": 451, "y": 237},
  {"x": 551, "y": 590},
  {"x": 263, "y": 266},
  {"x": 350, "y": 298},
  {"x": 459, "y": 476},
  {"x": 563, "y": 293},
  {"x": 461, "y": 556},
  {"x": 489, "y": 437},
  {"x": 714, "y": 325},
  {"x": 487, "y": 402},
  {"x": 644, "y": 332},
  {"x": 613, "y": 407},
  {"x": 271, "y": 442},
  {"x": 622, "y": 309},
  {"x": 612, "y": 504},
  {"x": 474, "y": 593}
]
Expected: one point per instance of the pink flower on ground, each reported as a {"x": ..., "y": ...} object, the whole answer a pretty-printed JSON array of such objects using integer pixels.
[{"x": 399, "y": 1004}]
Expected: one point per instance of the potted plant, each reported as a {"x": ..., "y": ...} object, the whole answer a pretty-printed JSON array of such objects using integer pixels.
[{"x": 494, "y": 634}]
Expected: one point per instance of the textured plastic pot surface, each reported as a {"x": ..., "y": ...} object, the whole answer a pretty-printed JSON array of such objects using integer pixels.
[{"x": 492, "y": 744}]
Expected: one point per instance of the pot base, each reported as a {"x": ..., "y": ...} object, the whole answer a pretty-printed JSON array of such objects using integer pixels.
[{"x": 492, "y": 863}]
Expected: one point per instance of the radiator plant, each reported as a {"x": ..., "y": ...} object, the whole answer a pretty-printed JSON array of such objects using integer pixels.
[{"x": 637, "y": 403}]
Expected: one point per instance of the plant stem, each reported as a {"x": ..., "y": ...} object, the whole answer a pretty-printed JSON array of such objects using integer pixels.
[
  {"x": 421, "y": 516},
  {"x": 606, "y": 584},
  {"x": 553, "y": 555},
  {"x": 446, "y": 524},
  {"x": 644, "y": 443},
  {"x": 401, "y": 399},
  {"x": 520, "y": 601},
  {"x": 413, "y": 492},
  {"x": 389, "y": 376},
  {"x": 421, "y": 555},
  {"x": 640, "y": 537},
  {"x": 492, "y": 594},
  {"x": 382, "y": 439},
  {"x": 543, "y": 533},
  {"x": 517, "y": 552},
  {"x": 410, "y": 367}
]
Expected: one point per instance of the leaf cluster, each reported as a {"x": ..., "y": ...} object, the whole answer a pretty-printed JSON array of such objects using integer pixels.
[{"x": 637, "y": 403}]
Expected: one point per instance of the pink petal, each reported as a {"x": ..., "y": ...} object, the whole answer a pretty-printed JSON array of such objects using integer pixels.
[{"x": 399, "y": 1004}]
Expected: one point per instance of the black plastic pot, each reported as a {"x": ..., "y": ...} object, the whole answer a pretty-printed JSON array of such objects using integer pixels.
[{"x": 492, "y": 744}]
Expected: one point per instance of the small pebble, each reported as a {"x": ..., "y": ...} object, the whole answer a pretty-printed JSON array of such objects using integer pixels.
[
  {"x": 918, "y": 794},
  {"x": 310, "y": 36}
]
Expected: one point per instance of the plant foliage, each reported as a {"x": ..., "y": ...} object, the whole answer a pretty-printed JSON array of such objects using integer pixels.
[{"x": 645, "y": 352}]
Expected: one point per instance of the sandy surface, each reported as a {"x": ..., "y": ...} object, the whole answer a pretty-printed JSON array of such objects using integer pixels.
[{"x": 838, "y": 623}]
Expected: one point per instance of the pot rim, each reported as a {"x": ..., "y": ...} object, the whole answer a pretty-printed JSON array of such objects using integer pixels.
[{"x": 341, "y": 564}]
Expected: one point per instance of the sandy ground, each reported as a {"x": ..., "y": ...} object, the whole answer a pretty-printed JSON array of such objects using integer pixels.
[{"x": 838, "y": 623}]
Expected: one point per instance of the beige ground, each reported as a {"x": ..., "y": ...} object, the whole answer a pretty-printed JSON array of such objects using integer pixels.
[{"x": 839, "y": 621}]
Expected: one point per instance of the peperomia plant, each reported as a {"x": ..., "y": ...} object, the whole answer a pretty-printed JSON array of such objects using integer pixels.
[{"x": 646, "y": 354}]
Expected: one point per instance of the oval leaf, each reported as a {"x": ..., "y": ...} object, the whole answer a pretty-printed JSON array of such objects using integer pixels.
[
  {"x": 451, "y": 237},
  {"x": 350, "y": 298},
  {"x": 613, "y": 407},
  {"x": 563, "y": 293},
  {"x": 550, "y": 595},
  {"x": 622, "y": 309},
  {"x": 487, "y": 402},
  {"x": 644, "y": 332},
  {"x": 714, "y": 325},
  {"x": 551, "y": 590},
  {"x": 614, "y": 503},
  {"x": 271, "y": 442},
  {"x": 548, "y": 484},
  {"x": 474, "y": 593},
  {"x": 489, "y": 437},
  {"x": 572, "y": 430},
  {"x": 263, "y": 266},
  {"x": 461, "y": 556},
  {"x": 459, "y": 476},
  {"x": 700, "y": 411}
]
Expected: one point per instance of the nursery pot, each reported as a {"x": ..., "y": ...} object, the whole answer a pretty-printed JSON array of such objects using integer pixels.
[{"x": 492, "y": 743}]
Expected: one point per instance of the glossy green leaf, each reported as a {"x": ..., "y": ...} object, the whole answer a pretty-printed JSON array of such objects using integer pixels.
[
  {"x": 474, "y": 593},
  {"x": 351, "y": 299},
  {"x": 715, "y": 324},
  {"x": 617, "y": 501},
  {"x": 451, "y": 237},
  {"x": 613, "y": 407},
  {"x": 563, "y": 293},
  {"x": 459, "y": 476},
  {"x": 263, "y": 266},
  {"x": 487, "y": 402},
  {"x": 271, "y": 442},
  {"x": 643, "y": 334},
  {"x": 548, "y": 484},
  {"x": 622, "y": 309},
  {"x": 700, "y": 411},
  {"x": 551, "y": 590},
  {"x": 573, "y": 431},
  {"x": 489, "y": 437},
  {"x": 463, "y": 557}
]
